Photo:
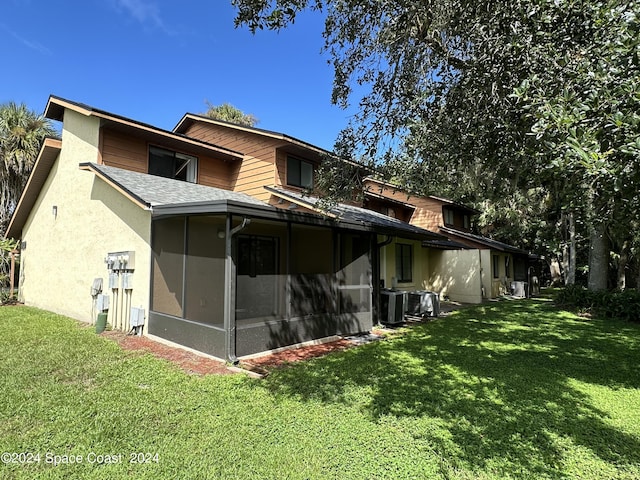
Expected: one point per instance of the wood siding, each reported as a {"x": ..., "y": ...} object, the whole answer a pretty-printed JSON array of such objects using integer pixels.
[
  {"x": 428, "y": 211},
  {"x": 258, "y": 169},
  {"x": 124, "y": 151},
  {"x": 131, "y": 153}
]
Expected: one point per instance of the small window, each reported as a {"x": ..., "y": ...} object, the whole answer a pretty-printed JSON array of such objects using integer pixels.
[
  {"x": 404, "y": 262},
  {"x": 169, "y": 164},
  {"x": 496, "y": 266},
  {"x": 466, "y": 222},
  {"x": 299, "y": 173},
  {"x": 448, "y": 216}
]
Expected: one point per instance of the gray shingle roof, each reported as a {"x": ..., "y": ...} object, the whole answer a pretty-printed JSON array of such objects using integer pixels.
[
  {"x": 360, "y": 215},
  {"x": 159, "y": 191},
  {"x": 489, "y": 242}
]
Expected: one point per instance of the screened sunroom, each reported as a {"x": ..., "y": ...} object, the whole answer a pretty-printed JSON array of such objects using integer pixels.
[{"x": 233, "y": 285}]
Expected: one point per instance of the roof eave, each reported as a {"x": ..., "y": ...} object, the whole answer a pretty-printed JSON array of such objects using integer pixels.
[{"x": 46, "y": 158}]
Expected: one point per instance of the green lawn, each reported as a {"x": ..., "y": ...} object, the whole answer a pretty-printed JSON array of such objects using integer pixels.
[{"x": 510, "y": 390}]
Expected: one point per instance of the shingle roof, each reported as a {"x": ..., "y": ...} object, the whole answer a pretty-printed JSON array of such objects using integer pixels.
[
  {"x": 489, "y": 242},
  {"x": 360, "y": 215},
  {"x": 156, "y": 191}
]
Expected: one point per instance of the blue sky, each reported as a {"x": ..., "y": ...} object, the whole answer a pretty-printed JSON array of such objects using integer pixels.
[{"x": 154, "y": 60}]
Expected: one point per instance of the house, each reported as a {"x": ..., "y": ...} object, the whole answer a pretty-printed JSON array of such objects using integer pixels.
[
  {"x": 468, "y": 267},
  {"x": 203, "y": 233}
]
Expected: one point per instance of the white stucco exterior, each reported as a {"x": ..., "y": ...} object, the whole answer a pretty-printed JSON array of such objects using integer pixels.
[
  {"x": 457, "y": 274},
  {"x": 64, "y": 252}
]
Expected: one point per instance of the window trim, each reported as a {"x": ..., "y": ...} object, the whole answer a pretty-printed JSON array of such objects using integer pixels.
[
  {"x": 191, "y": 174},
  {"x": 288, "y": 174},
  {"x": 401, "y": 275},
  {"x": 496, "y": 266},
  {"x": 446, "y": 212}
]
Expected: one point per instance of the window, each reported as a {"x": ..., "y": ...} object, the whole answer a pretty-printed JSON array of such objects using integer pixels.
[
  {"x": 404, "y": 261},
  {"x": 496, "y": 266},
  {"x": 257, "y": 255},
  {"x": 448, "y": 216},
  {"x": 299, "y": 173},
  {"x": 169, "y": 164},
  {"x": 466, "y": 222}
]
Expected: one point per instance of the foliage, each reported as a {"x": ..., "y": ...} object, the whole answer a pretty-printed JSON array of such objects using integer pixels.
[
  {"x": 228, "y": 113},
  {"x": 507, "y": 390},
  {"x": 21, "y": 134},
  {"x": 7, "y": 246},
  {"x": 624, "y": 305},
  {"x": 495, "y": 100}
]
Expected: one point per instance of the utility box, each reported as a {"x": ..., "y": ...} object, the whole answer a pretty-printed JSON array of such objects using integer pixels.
[
  {"x": 125, "y": 260},
  {"x": 137, "y": 317},
  {"x": 127, "y": 281},
  {"x": 102, "y": 303}
]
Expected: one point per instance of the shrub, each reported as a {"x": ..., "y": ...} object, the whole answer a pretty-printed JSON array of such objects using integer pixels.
[{"x": 607, "y": 304}]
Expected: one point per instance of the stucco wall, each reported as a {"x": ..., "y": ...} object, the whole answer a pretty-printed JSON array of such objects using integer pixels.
[
  {"x": 457, "y": 274},
  {"x": 65, "y": 252},
  {"x": 420, "y": 265}
]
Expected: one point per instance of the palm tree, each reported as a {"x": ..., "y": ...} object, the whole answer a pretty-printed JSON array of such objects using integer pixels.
[
  {"x": 22, "y": 132},
  {"x": 228, "y": 113}
]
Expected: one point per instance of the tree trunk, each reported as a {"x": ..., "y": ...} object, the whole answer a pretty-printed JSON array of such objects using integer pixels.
[
  {"x": 570, "y": 278},
  {"x": 554, "y": 269},
  {"x": 623, "y": 261},
  {"x": 598, "y": 257}
]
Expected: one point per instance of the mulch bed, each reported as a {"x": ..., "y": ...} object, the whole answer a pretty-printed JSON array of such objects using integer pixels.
[
  {"x": 187, "y": 361},
  {"x": 200, "y": 365}
]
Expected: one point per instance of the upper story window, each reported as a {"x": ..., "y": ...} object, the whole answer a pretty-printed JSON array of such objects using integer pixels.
[
  {"x": 467, "y": 222},
  {"x": 448, "y": 216},
  {"x": 299, "y": 173},
  {"x": 170, "y": 164}
]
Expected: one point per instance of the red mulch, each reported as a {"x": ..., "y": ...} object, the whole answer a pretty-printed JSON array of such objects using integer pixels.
[
  {"x": 187, "y": 361},
  {"x": 200, "y": 365},
  {"x": 298, "y": 354}
]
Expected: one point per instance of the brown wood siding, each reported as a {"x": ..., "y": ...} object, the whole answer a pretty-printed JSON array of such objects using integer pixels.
[
  {"x": 123, "y": 151},
  {"x": 258, "y": 169},
  {"x": 214, "y": 173},
  {"x": 428, "y": 211},
  {"x": 131, "y": 153},
  {"x": 252, "y": 176},
  {"x": 247, "y": 143}
]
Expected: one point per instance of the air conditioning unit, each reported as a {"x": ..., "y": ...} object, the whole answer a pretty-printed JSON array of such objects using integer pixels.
[
  {"x": 392, "y": 306},
  {"x": 422, "y": 303},
  {"x": 519, "y": 289}
]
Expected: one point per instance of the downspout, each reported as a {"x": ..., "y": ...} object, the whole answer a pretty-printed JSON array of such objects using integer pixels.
[
  {"x": 483, "y": 293},
  {"x": 376, "y": 276},
  {"x": 229, "y": 290}
]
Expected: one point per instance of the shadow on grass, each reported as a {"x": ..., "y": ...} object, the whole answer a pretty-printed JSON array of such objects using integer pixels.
[{"x": 506, "y": 381}]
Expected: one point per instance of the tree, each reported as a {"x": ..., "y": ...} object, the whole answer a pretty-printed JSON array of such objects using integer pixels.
[
  {"x": 496, "y": 99},
  {"x": 21, "y": 134},
  {"x": 228, "y": 113}
]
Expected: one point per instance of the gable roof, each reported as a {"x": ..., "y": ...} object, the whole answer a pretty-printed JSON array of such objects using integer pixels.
[
  {"x": 445, "y": 201},
  {"x": 294, "y": 144},
  {"x": 343, "y": 212},
  {"x": 487, "y": 242},
  {"x": 151, "y": 191},
  {"x": 189, "y": 119},
  {"x": 55, "y": 111},
  {"x": 46, "y": 158},
  {"x": 167, "y": 196}
]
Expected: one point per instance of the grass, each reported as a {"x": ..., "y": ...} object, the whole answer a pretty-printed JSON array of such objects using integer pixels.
[{"x": 510, "y": 390}]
